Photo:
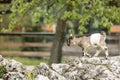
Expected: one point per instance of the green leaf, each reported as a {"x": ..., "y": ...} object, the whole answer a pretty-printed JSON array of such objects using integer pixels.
[
  {"x": 50, "y": 11},
  {"x": 82, "y": 29}
]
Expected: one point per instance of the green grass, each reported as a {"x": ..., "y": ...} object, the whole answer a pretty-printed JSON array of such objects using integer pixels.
[
  {"x": 30, "y": 60},
  {"x": 33, "y": 60}
]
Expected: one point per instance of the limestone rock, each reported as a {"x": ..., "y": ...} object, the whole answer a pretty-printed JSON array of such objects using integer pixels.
[
  {"x": 1, "y": 58},
  {"x": 15, "y": 76},
  {"x": 41, "y": 77},
  {"x": 97, "y": 68},
  {"x": 14, "y": 70},
  {"x": 12, "y": 65},
  {"x": 47, "y": 72}
]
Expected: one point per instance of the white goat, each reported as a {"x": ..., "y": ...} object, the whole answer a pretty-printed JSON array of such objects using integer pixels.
[{"x": 96, "y": 40}]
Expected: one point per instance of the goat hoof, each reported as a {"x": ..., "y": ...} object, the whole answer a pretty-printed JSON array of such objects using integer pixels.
[
  {"x": 84, "y": 56},
  {"x": 89, "y": 56},
  {"x": 106, "y": 58}
]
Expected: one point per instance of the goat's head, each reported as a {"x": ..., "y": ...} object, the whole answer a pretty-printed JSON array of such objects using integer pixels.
[{"x": 71, "y": 40}]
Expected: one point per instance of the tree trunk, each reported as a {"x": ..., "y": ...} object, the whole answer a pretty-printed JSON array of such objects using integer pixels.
[{"x": 56, "y": 51}]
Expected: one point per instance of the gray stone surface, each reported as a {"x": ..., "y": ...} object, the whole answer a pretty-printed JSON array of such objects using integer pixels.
[
  {"x": 15, "y": 70},
  {"x": 1, "y": 58},
  {"x": 82, "y": 69},
  {"x": 15, "y": 76},
  {"x": 74, "y": 68},
  {"x": 47, "y": 71}
]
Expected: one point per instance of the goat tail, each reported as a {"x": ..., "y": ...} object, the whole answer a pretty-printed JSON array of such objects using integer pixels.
[{"x": 103, "y": 33}]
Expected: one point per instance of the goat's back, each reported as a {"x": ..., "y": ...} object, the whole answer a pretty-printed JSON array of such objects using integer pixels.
[{"x": 95, "y": 38}]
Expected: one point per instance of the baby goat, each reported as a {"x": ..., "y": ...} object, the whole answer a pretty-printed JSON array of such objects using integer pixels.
[{"x": 96, "y": 40}]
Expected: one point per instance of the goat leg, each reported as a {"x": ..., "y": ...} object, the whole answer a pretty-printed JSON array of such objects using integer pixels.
[
  {"x": 85, "y": 53},
  {"x": 97, "y": 51},
  {"x": 105, "y": 48},
  {"x": 106, "y": 53}
]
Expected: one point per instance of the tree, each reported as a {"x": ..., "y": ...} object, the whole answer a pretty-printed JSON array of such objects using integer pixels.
[{"x": 64, "y": 11}]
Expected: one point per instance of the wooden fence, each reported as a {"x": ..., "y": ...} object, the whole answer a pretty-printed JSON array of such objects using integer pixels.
[
  {"x": 26, "y": 44},
  {"x": 113, "y": 36}
]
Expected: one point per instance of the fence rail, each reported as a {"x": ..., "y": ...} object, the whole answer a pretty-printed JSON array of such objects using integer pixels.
[
  {"x": 27, "y": 34},
  {"x": 26, "y": 44},
  {"x": 110, "y": 37}
]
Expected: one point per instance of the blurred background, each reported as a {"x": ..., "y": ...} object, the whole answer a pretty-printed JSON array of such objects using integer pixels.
[{"x": 30, "y": 41}]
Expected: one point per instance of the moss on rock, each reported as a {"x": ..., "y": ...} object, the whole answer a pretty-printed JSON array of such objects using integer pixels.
[{"x": 2, "y": 70}]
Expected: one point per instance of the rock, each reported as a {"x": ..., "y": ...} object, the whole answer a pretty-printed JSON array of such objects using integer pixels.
[
  {"x": 12, "y": 65},
  {"x": 15, "y": 76},
  {"x": 45, "y": 70},
  {"x": 60, "y": 68},
  {"x": 14, "y": 70},
  {"x": 1, "y": 58},
  {"x": 97, "y": 68},
  {"x": 41, "y": 77}
]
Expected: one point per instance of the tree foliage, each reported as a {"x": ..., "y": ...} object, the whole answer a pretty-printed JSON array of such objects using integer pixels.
[{"x": 81, "y": 10}]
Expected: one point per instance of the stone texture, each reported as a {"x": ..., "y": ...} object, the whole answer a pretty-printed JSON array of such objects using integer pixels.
[
  {"x": 41, "y": 77},
  {"x": 82, "y": 69},
  {"x": 12, "y": 65},
  {"x": 15, "y": 76},
  {"x": 96, "y": 68},
  {"x": 47, "y": 71},
  {"x": 15, "y": 70},
  {"x": 1, "y": 58}
]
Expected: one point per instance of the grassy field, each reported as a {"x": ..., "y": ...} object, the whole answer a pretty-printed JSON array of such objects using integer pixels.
[{"x": 30, "y": 60}]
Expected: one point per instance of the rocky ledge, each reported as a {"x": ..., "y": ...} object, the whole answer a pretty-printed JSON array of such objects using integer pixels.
[
  {"x": 13, "y": 70},
  {"x": 97, "y": 68},
  {"x": 81, "y": 69}
]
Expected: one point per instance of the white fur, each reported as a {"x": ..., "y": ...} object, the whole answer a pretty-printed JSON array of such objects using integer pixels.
[{"x": 95, "y": 39}]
